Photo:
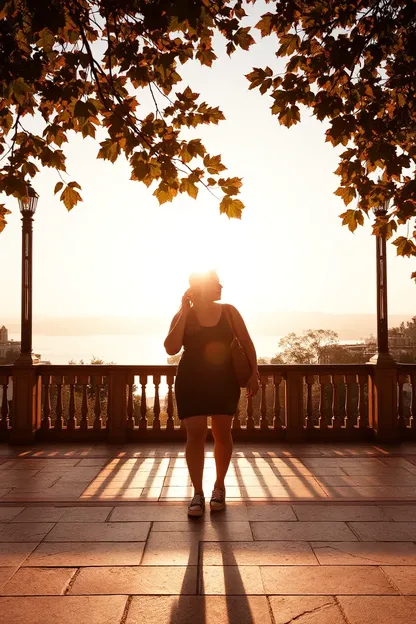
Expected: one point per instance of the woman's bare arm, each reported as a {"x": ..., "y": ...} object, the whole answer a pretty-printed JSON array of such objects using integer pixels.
[{"x": 174, "y": 340}]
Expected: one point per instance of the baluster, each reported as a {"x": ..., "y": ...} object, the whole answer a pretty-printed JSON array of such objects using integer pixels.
[
  {"x": 156, "y": 405},
  {"x": 97, "y": 381},
  {"x": 332, "y": 419},
  {"x": 250, "y": 419},
  {"x": 170, "y": 425},
  {"x": 310, "y": 380},
  {"x": 351, "y": 381},
  {"x": 46, "y": 420},
  {"x": 264, "y": 424},
  {"x": 83, "y": 380},
  {"x": 277, "y": 425},
  {"x": 4, "y": 423},
  {"x": 323, "y": 380},
  {"x": 401, "y": 380},
  {"x": 338, "y": 418},
  {"x": 362, "y": 406},
  {"x": 58, "y": 380},
  {"x": 413, "y": 407},
  {"x": 72, "y": 423},
  {"x": 130, "y": 405},
  {"x": 143, "y": 404},
  {"x": 236, "y": 419}
]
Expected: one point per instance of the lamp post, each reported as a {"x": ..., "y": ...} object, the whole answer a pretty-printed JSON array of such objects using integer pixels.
[
  {"x": 383, "y": 353},
  {"x": 27, "y": 207}
]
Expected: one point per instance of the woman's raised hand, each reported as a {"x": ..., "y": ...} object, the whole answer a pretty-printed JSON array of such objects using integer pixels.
[{"x": 186, "y": 300}]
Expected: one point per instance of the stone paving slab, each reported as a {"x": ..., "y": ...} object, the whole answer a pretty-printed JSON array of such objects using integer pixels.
[
  {"x": 168, "y": 549},
  {"x": 385, "y": 531},
  {"x": 64, "y": 514},
  {"x": 201, "y": 609},
  {"x": 257, "y": 553},
  {"x": 365, "y": 553},
  {"x": 63, "y": 609},
  {"x": 307, "y": 610},
  {"x": 338, "y": 513},
  {"x": 38, "y": 582},
  {"x": 9, "y": 513},
  {"x": 14, "y": 554},
  {"x": 321, "y": 580},
  {"x": 380, "y": 609},
  {"x": 76, "y": 554},
  {"x": 304, "y": 531},
  {"x": 136, "y": 580},
  {"x": 99, "y": 532},
  {"x": 218, "y": 531},
  {"x": 23, "y": 532},
  {"x": 402, "y": 577},
  {"x": 234, "y": 580},
  {"x": 400, "y": 513},
  {"x": 5, "y": 574}
]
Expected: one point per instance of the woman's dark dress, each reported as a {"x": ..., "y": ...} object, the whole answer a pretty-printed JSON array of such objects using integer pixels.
[{"x": 206, "y": 383}]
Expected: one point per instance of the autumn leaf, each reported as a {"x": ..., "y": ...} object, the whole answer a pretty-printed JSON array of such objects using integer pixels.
[
  {"x": 352, "y": 218},
  {"x": 231, "y": 207},
  {"x": 405, "y": 247},
  {"x": 70, "y": 197},
  {"x": 58, "y": 187},
  {"x": 213, "y": 164},
  {"x": 187, "y": 186},
  {"x": 347, "y": 193},
  {"x": 165, "y": 193},
  {"x": 266, "y": 24},
  {"x": 3, "y": 213}
]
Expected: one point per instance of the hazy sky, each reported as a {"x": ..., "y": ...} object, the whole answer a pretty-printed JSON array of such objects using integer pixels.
[{"x": 120, "y": 253}]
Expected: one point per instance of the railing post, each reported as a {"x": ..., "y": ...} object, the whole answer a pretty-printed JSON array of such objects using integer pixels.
[
  {"x": 295, "y": 419},
  {"x": 382, "y": 402},
  {"x": 117, "y": 406},
  {"x": 26, "y": 404}
]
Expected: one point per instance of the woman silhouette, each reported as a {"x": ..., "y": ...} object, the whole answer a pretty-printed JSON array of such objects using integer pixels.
[{"x": 206, "y": 383}]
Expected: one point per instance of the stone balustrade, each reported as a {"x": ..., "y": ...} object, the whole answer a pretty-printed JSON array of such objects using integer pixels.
[{"x": 131, "y": 403}]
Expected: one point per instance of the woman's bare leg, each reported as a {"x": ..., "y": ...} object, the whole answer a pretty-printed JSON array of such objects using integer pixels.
[
  {"x": 196, "y": 432},
  {"x": 223, "y": 445}
]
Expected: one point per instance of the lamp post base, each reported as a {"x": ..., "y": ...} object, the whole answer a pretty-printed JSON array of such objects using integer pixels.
[
  {"x": 25, "y": 359},
  {"x": 382, "y": 359}
]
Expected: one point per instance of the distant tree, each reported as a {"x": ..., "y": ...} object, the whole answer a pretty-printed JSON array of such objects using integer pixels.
[
  {"x": 307, "y": 348},
  {"x": 341, "y": 354},
  {"x": 354, "y": 65},
  {"x": 316, "y": 346},
  {"x": 262, "y": 360}
]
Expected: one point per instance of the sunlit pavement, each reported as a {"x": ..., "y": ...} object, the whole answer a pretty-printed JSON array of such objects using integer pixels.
[{"x": 312, "y": 534}]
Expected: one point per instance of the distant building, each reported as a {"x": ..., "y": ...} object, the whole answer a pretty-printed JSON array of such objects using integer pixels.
[{"x": 9, "y": 349}]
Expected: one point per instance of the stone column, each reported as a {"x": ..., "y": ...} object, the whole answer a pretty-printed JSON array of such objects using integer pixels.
[
  {"x": 117, "y": 407},
  {"x": 295, "y": 418},
  {"x": 26, "y": 404}
]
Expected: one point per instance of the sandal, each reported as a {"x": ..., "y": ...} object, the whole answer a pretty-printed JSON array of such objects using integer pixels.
[
  {"x": 217, "y": 501},
  {"x": 197, "y": 506}
]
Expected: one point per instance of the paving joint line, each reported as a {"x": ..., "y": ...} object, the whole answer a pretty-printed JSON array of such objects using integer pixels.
[
  {"x": 70, "y": 582},
  {"x": 199, "y": 570},
  {"x": 343, "y": 614},
  {"x": 348, "y": 523},
  {"x": 145, "y": 543},
  {"x": 126, "y": 609},
  {"x": 269, "y": 607}
]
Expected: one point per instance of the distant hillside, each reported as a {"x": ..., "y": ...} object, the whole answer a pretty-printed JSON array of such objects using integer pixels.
[{"x": 348, "y": 326}]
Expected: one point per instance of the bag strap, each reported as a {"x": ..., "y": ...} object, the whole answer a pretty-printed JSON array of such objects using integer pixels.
[{"x": 229, "y": 319}]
